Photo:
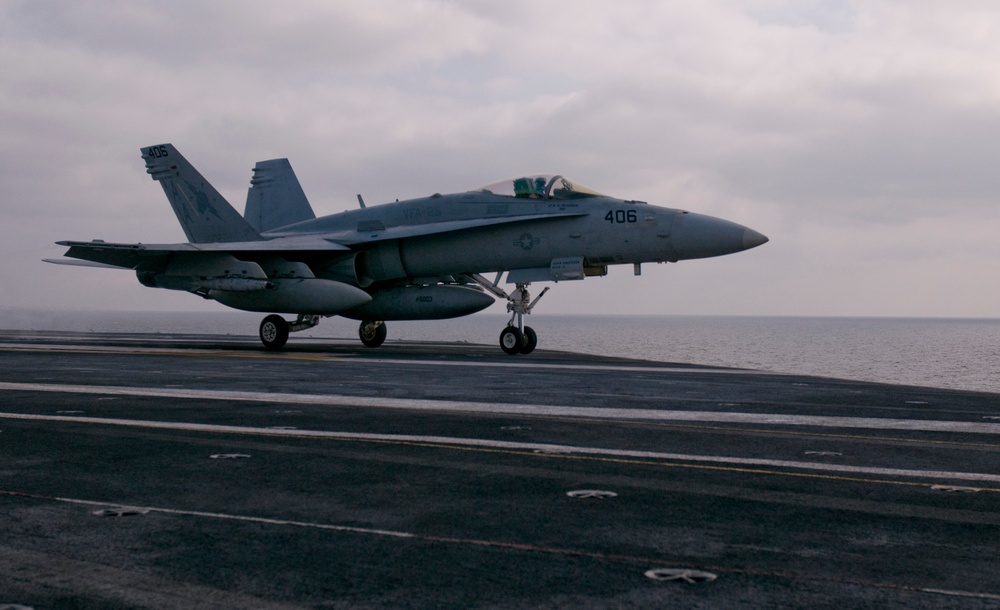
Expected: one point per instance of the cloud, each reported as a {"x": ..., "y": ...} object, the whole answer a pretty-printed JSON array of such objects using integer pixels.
[{"x": 852, "y": 133}]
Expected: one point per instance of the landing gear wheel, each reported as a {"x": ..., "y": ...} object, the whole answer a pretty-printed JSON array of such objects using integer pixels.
[
  {"x": 511, "y": 341},
  {"x": 372, "y": 333},
  {"x": 530, "y": 340},
  {"x": 274, "y": 332}
]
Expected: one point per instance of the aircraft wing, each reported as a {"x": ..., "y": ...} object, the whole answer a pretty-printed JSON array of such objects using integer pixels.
[{"x": 130, "y": 256}]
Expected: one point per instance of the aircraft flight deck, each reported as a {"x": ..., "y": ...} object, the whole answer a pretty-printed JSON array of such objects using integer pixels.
[{"x": 161, "y": 471}]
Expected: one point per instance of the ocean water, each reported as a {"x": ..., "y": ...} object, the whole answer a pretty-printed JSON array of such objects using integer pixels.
[{"x": 936, "y": 352}]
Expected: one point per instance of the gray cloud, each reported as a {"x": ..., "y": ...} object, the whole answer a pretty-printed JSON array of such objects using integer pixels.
[{"x": 858, "y": 136}]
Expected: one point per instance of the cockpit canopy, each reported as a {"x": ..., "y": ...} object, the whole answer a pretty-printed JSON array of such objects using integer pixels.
[{"x": 540, "y": 186}]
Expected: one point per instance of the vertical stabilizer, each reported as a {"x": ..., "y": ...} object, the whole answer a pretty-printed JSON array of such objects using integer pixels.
[
  {"x": 275, "y": 198},
  {"x": 203, "y": 213}
]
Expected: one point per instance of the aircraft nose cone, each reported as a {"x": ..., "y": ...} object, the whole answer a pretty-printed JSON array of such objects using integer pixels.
[
  {"x": 700, "y": 236},
  {"x": 752, "y": 239}
]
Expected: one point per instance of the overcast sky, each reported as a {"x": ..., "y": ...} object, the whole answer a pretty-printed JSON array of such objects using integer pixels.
[{"x": 859, "y": 136}]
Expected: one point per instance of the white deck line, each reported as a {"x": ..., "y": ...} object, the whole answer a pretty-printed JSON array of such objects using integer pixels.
[{"x": 458, "y": 406}]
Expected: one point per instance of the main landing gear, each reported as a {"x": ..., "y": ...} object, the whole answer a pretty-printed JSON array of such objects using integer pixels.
[
  {"x": 516, "y": 338},
  {"x": 274, "y": 329},
  {"x": 372, "y": 333}
]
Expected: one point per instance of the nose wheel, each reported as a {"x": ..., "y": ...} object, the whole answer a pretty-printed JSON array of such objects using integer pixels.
[
  {"x": 514, "y": 341},
  {"x": 516, "y": 338},
  {"x": 519, "y": 303},
  {"x": 530, "y": 340}
]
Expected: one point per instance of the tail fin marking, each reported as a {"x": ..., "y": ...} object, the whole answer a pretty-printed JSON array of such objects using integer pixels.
[{"x": 204, "y": 214}]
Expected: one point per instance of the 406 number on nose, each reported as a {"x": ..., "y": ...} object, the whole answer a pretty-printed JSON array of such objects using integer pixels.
[{"x": 620, "y": 216}]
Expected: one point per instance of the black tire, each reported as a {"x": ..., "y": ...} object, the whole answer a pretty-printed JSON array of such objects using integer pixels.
[
  {"x": 274, "y": 332},
  {"x": 511, "y": 341},
  {"x": 372, "y": 334},
  {"x": 530, "y": 340}
]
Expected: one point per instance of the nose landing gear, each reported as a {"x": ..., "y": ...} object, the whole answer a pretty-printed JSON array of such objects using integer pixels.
[
  {"x": 516, "y": 338},
  {"x": 515, "y": 341}
]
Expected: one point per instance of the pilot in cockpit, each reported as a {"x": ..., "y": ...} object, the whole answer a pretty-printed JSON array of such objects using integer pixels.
[{"x": 530, "y": 188}]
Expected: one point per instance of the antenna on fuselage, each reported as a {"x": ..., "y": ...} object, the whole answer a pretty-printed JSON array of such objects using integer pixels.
[{"x": 361, "y": 201}]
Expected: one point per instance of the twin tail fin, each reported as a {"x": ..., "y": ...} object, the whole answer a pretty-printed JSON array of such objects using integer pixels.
[
  {"x": 204, "y": 214},
  {"x": 275, "y": 198}
]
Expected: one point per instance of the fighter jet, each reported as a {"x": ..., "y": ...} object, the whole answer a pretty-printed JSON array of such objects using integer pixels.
[{"x": 419, "y": 259}]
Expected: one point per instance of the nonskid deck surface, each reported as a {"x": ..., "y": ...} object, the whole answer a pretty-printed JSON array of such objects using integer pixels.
[{"x": 193, "y": 471}]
